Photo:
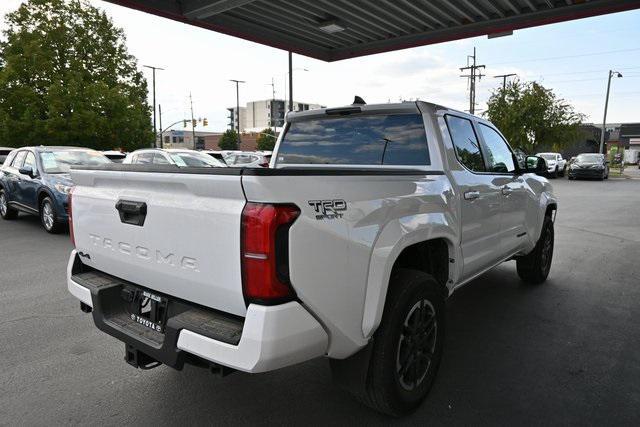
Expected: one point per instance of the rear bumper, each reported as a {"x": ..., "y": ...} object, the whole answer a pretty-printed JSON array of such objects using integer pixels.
[{"x": 268, "y": 338}]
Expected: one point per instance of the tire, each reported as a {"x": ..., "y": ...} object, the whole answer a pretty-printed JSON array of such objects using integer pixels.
[
  {"x": 555, "y": 173},
  {"x": 6, "y": 211},
  {"x": 571, "y": 178},
  {"x": 410, "y": 339},
  {"x": 49, "y": 217},
  {"x": 562, "y": 172},
  {"x": 534, "y": 267}
]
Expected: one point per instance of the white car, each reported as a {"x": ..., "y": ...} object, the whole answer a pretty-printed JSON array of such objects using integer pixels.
[
  {"x": 346, "y": 248},
  {"x": 172, "y": 156},
  {"x": 248, "y": 159},
  {"x": 556, "y": 165}
]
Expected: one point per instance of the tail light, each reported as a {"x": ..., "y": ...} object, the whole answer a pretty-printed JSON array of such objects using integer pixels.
[
  {"x": 265, "y": 252},
  {"x": 70, "y": 207}
]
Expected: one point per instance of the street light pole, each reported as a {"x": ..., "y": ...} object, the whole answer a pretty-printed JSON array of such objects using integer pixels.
[
  {"x": 606, "y": 105},
  {"x": 155, "y": 129},
  {"x": 160, "y": 117},
  {"x": 237, "y": 82},
  {"x": 290, "y": 81},
  {"x": 287, "y": 78}
]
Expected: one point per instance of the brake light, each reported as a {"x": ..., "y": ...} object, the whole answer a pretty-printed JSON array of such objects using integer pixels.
[
  {"x": 265, "y": 252},
  {"x": 70, "y": 204}
]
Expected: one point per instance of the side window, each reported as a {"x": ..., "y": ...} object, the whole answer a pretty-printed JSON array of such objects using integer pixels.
[
  {"x": 30, "y": 160},
  {"x": 9, "y": 158},
  {"x": 466, "y": 143},
  {"x": 159, "y": 159},
  {"x": 17, "y": 162},
  {"x": 497, "y": 153},
  {"x": 144, "y": 158}
]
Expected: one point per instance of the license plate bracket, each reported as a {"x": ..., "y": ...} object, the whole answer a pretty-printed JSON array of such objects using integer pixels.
[{"x": 146, "y": 308}]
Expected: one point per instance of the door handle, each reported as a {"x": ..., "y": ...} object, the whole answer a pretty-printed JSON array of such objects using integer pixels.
[
  {"x": 471, "y": 195},
  {"x": 506, "y": 190}
]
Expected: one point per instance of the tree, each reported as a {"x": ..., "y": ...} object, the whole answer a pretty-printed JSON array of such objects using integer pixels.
[
  {"x": 533, "y": 118},
  {"x": 228, "y": 140},
  {"x": 266, "y": 140},
  {"x": 66, "y": 78}
]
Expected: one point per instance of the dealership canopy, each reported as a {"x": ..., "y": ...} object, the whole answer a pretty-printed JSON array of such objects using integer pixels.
[{"x": 338, "y": 29}]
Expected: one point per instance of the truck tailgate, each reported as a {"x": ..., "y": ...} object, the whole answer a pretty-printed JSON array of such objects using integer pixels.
[{"x": 176, "y": 233}]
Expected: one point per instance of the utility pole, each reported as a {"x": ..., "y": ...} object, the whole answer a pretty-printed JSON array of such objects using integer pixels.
[
  {"x": 606, "y": 105},
  {"x": 193, "y": 122},
  {"x": 473, "y": 74},
  {"x": 155, "y": 129},
  {"x": 160, "y": 117},
  {"x": 504, "y": 78},
  {"x": 237, "y": 82},
  {"x": 273, "y": 103}
]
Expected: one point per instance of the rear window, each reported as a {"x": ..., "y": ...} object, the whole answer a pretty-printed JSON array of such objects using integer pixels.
[{"x": 356, "y": 140}]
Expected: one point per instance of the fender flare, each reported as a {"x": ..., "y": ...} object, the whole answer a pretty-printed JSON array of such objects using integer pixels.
[
  {"x": 392, "y": 240},
  {"x": 546, "y": 199}
]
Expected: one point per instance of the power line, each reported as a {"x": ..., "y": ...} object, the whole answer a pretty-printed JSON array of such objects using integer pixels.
[{"x": 554, "y": 58}]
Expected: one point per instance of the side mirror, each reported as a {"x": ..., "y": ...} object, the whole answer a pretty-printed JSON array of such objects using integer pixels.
[
  {"x": 27, "y": 170},
  {"x": 534, "y": 164}
]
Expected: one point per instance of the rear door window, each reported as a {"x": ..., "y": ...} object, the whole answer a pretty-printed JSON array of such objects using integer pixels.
[
  {"x": 159, "y": 159},
  {"x": 398, "y": 139},
  {"x": 465, "y": 143},
  {"x": 144, "y": 158}
]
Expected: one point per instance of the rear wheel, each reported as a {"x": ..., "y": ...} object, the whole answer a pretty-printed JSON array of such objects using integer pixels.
[
  {"x": 49, "y": 217},
  {"x": 407, "y": 347},
  {"x": 6, "y": 211},
  {"x": 534, "y": 267}
]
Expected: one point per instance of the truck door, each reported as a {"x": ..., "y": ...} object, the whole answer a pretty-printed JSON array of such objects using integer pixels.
[
  {"x": 515, "y": 197},
  {"x": 29, "y": 186},
  {"x": 481, "y": 199}
]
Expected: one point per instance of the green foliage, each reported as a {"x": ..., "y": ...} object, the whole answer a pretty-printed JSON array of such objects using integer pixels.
[
  {"x": 66, "y": 78},
  {"x": 532, "y": 118},
  {"x": 266, "y": 140},
  {"x": 228, "y": 140}
]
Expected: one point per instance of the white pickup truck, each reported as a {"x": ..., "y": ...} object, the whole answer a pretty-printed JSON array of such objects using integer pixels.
[{"x": 347, "y": 246}]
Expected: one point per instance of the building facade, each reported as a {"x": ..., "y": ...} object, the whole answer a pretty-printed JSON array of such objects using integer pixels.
[
  {"x": 184, "y": 139},
  {"x": 267, "y": 113}
]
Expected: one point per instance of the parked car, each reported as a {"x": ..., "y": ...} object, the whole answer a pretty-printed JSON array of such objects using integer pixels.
[
  {"x": 115, "y": 156},
  {"x": 589, "y": 165},
  {"x": 556, "y": 165},
  {"x": 248, "y": 159},
  {"x": 4, "y": 152},
  {"x": 218, "y": 155},
  {"x": 35, "y": 180},
  {"x": 407, "y": 203},
  {"x": 172, "y": 156}
]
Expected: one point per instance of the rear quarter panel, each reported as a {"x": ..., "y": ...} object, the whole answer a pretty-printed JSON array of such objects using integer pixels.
[{"x": 338, "y": 266}]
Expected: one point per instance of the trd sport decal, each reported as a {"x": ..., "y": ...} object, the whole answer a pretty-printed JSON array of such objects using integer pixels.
[{"x": 328, "y": 209}]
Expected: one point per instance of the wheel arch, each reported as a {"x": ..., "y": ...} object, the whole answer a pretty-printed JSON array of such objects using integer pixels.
[
  {"x": 435, "y": 245},
  {"x": 42, "y": 193}
]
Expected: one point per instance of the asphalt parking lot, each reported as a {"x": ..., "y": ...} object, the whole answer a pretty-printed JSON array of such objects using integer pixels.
[{"x": 566, "y": 352}]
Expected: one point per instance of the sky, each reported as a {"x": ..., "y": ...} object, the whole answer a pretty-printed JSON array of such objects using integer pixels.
[{"x": 572, "y": 58}]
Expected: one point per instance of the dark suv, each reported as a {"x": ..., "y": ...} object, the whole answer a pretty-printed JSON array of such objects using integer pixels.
[{"x": 36, "y": 180}]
